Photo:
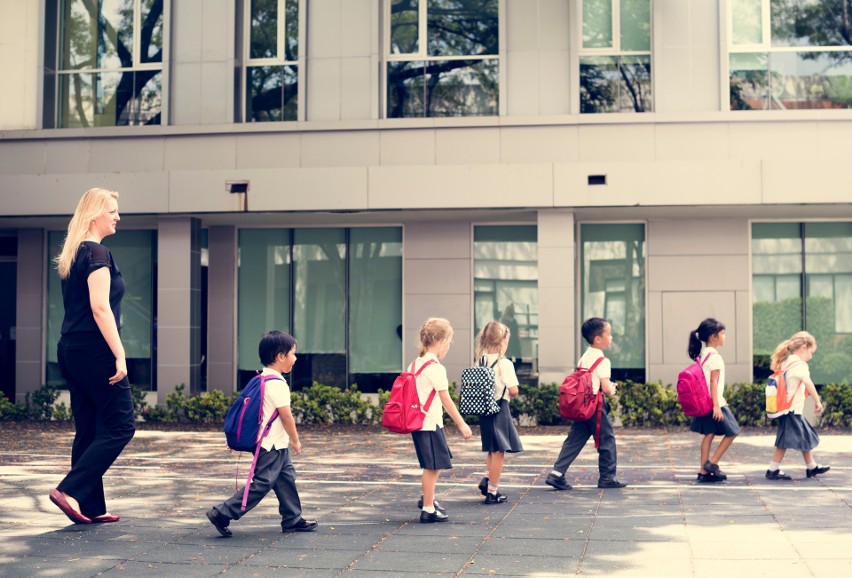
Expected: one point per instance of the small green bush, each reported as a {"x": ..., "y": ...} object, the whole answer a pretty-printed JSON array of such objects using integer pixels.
[
  {"x": 40, "y": 402},
  {"x": 538, "y": 404},
  {"x": 12, "y": 411},
  {"x": 139, "y": 402},
  {"x": 747, "y": 401},
  {"x": 209, "y": 407},
  {"x": 61, "y": 412},
  {"x": 837, "y": 400},
  {"x": 328, "y": 404},
  {"x": 647, "y": 404}
]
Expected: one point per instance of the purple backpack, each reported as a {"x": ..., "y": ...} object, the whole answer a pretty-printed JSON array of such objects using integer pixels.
[
  {"x": 244, "y": 428},
  {"x": 692, "y": 391}
]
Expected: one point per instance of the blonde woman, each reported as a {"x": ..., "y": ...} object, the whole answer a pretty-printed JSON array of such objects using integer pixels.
[
  {"x": 794, "y": 432},
  {"x": 91, "y": 357}
]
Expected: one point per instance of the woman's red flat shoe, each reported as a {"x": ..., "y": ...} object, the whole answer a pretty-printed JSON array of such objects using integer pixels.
[
  {"x": 58, "y": 498},
  {"x": 105, "y": 519}
]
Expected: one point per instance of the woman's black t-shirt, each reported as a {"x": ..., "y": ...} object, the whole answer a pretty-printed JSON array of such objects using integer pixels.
[{"x": 79, "y": 318}]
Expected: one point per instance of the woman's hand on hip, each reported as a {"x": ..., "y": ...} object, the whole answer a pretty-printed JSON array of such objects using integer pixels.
[{"x": 120, "y": 370}]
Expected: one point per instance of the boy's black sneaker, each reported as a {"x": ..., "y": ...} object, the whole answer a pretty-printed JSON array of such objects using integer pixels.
[
  {"x": 436, "y": 516},
  {"x": 435, "y": 503},
  {"x": 302, "y": 525},
  {"x": 708, "y": 478},
  {"x": 557, "y": 482},
  {"x": 497, "y": 498},
  {"x": 777, "y": 475},
  {"x": 219, "y": 521},
  {"x": 611, "y": 484},
  {"x": 818, "y": 470},
  {"x": 714, "y": 469},
  {"x": 483, "y": 486}
]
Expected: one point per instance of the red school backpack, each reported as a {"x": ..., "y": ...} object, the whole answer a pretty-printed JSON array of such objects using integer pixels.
[
  {"x": 403, "y": 413},
  {"x": 577, "y": 400},
  {"x": 693, "y": 394}
]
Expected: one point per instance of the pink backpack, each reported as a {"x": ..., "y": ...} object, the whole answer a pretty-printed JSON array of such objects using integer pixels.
[
  {"x": 403, "y": 412},
  {"x": 692, "y": 391}
]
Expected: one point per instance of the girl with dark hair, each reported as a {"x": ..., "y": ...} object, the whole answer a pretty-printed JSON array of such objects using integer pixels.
[{"x": 703, "y": 344}]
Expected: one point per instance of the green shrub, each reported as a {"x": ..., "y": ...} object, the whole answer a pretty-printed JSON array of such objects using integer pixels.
[
  {"x": 647, "y": 404},
  {"x": 61, "y": 412},
  {"x": 747, "y": 401},
  {"x": 837, "y": 400},
  {"x": 539, "y": 404},
  {"x": 12, "y": 411},
  {"x": 209, "y": 407},
  {"x": 328, "y": 404},
  {"x": 40, "y": 402},
  {"x": 139, "y": 402}
]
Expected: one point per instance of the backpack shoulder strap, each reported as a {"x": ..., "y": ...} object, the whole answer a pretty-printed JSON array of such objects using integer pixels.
[
  {"x": 422, "y": 367},
  {"x": 595, "y": 364},
  {"x": 706, "y": 357}
]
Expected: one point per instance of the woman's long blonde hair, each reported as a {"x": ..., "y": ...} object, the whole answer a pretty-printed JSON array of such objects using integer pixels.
[
  {"x": 491, "y": 337},
  {"x": 788, "y": 346},
  {"x": 432, "y": 331},
  {"x": 92, "y": 204}
]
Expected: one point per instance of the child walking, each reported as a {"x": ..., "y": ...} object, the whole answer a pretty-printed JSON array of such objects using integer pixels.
[
  {"x": 794, "y": 431},
  {"x": 430, "y": 443},
  {"x": 274, "y": 470},
  {"x": 497, "y": 431},
  {"x": 598, "y": 333},
  {"x": 703, "y": 342}
]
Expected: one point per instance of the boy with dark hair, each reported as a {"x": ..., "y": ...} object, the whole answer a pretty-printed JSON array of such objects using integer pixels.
[
  {"x": 598, "y": 333},
  {"x": 274, "y": 471}
]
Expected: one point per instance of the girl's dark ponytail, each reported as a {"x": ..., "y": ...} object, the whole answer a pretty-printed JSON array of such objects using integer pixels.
[{"x": 707, "y": 328}]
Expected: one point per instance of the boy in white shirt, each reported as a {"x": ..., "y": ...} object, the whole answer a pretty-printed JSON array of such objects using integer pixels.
[
  {"x": 274, "y": 470},
  {"x": 598, "y": 333}
]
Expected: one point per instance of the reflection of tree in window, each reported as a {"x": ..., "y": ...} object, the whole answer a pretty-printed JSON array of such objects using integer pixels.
[
  {"x": 435, "y": 80},
  {"x": 272, "y": 78}
]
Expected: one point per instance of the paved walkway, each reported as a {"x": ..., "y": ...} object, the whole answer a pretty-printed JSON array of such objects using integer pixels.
[{"x": 362, "y": 484}]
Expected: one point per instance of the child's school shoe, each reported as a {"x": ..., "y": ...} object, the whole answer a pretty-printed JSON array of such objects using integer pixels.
[
  {"x": 818, "y": 470},
  {"x": 431, "y": 518},
  {"x": 557, "y": 482},
  {"x": 435, "y": 503},
  {"x": 611, "y": 484},
  {"x": 219, "y": 521},
  {"x": 497, "y": 498},
  {"x": 777, "y": 475},
  {"x": 708, "y": 478},
  {"x": 483, "y": 486},
  {"x": 714, "y": 469},
  {"x": 302, "y": 525}
]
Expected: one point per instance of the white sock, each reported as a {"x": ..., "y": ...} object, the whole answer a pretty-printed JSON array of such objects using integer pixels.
[
  {"x": 774, "y": 466},
  {"x": 492, "y": 489},
  {"x": 557, "y": 474},
  {"x": 812, "y": 465},
  {"x": 429, "y": 509}
]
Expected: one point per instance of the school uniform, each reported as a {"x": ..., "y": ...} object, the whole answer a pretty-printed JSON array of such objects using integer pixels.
[
  {"x": 794, "y": 431},
  {"x": 498, "y": 431},
  {"x": 581, "y": 431},
  {"x": 705, "y": 424},
  {"x": 430, "y": 442},
  {"x": 274, "y": 470}
]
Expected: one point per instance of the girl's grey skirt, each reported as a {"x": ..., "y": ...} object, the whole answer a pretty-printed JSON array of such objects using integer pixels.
[
  {"x": 433, "y": 453},
  {"x": 706, "y": 425},
  {"x": 795, "y": 433}
]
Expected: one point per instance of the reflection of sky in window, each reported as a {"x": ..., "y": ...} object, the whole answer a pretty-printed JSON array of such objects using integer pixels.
[{"x": 510, "y": 271}]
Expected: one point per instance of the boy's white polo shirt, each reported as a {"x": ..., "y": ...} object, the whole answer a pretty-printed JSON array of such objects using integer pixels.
[
  {"x": 433, "y": 377},
  {"x": 277, "y": 394},
  {"x": 602, "y": 371}
]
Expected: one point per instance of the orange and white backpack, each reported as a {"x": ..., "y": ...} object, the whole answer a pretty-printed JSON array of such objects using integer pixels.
[{"x": 777, "y": 401}]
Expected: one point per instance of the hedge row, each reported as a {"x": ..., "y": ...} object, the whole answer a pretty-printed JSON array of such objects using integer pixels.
[{"x": 637, "y": 404}]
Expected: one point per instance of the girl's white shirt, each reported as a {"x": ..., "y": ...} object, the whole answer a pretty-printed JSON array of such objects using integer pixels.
[
  {"x": 602, "y": 371},
  {"x": 795, "y": 371},
  {"x": 504, "y": 376},
  {"x": 433, "y": 377},
  {"x": 714, "y": 362}
]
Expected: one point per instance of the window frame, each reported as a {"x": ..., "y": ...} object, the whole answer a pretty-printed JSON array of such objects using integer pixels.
[
  {"x": 422, "y": 54},
  {"x": 247, "y": 61},
  {"x": 579, "y": 52},
  {"x": 55, "y": 51}
]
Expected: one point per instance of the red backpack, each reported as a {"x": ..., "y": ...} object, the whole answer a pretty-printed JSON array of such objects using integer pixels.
[
  {"x": 692, "y": 391},
  {"x": 577, "y": 400},
  {"x": 403, "y": 413}
]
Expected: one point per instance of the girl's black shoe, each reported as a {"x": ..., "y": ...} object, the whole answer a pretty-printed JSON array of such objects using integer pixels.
[
  {"x": 497, "y": 498},
  {"x": 483, "y": 486},
  {"x": 777, "y": 475},
  {"x": 818, "y": 470},
  {"x": 435, "y": 503},
  {"x": 436, "y": 516},
  {"x": 708, "y": 478}
]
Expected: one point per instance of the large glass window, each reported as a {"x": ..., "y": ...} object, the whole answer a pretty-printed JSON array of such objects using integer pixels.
[
  {"x": 110, "y": 68},
  {"x": 505, "y": 288},
  {"x": 792, "y": 261},
  {"x": 272, "y": 58},
  {"x": 442, "y": 58},
  {"x": 790, "y": 54},
  {"x": 134, "y": 253},
  {"x": 338, "y": 291},
  {"x": 615, "y": 56},
  {"x": 612, "y": 276}
]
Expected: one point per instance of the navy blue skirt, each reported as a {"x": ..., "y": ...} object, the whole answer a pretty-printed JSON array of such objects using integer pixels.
[
  {"x": 498, "y": 431},
  {"x": 433, "y": 453},
  {"x": 706, "y": 425},
  {"x": 795, "y": 433}
]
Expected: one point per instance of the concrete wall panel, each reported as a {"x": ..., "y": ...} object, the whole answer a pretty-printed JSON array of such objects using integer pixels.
[
  {"x": 521, "y": 144},
  {"x": 407, "y": 147},
  {"x": 329, "y": 149},
  {"x": 698, "y": 237},
  {"x": 275, "y": 150},
  {"x": 439, "y": 276},
  {"x": 698, "y": 273},
  {"x": 437, "y": 240},
  {"x": 471, "y": 146}
]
